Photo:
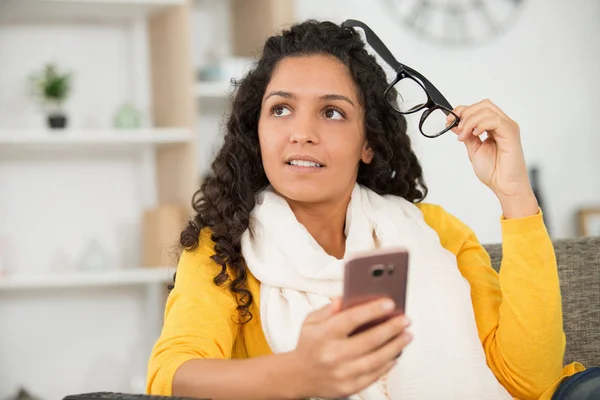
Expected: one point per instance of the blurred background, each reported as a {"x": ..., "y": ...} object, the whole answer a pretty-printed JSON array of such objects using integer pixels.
[{"x": 111, "y": 111}]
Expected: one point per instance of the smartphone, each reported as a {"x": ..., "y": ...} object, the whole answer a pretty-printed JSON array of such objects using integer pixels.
[{"x": 375, "y": 275}]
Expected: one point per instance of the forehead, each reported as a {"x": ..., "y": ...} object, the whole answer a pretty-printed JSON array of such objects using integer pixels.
[{"x": 317, "y": 74}]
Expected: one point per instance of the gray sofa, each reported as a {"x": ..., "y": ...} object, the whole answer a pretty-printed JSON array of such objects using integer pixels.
[{"x": 579, "y": 274}]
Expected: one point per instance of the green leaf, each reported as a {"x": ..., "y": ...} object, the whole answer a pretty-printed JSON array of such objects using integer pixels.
[{"x": 51, "y": 84}]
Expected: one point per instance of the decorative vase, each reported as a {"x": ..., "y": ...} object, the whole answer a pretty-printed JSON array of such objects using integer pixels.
[
  {"x": 57, "y": 121},
  {"x": 127, "y": 117}
]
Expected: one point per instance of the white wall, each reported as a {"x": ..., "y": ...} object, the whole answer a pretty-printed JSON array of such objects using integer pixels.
[{"x": 543, "y": 73}]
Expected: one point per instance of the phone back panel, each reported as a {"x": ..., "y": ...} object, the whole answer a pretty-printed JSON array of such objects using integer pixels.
[{"x": 382, "y": 273}]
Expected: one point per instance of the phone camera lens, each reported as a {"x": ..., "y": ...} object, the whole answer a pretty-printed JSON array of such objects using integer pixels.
[{"x": 377, "y": 272}]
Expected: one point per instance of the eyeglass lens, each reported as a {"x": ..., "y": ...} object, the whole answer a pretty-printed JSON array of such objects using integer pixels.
[{"x": 409, "y": 96}]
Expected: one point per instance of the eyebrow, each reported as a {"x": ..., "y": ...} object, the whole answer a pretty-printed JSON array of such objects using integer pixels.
[{"x": 329, "y": 97}]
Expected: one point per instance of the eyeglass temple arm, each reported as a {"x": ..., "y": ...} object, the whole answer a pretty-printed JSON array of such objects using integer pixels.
[
  {"x": 387, "y": 56},
  {"x": 375, "y": 43}
]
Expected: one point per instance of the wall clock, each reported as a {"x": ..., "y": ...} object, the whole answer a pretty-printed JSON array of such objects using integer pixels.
[{"x": 455, "y": 22}]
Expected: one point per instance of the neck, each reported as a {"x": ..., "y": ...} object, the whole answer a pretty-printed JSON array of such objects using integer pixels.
[{"x": 325, "y": 223}]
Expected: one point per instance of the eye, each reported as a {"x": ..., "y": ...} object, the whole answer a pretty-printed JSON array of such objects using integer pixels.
[
  {"x": 280, "y": 111},
  {"x": 334, "y": 113}
]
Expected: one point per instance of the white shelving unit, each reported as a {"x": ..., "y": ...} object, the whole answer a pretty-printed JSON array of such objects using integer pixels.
[
  {"x": 91, "y": 279},
  {"x": 94, "y": 137},
  {"x": 62, "y": 189},
  {"x": 80, "y": 10},
  {"x": 73, "y": 186},
  {"x": 213, "y": 90}
]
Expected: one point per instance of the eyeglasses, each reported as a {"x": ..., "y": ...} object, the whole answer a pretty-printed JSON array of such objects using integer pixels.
[{"x": 410, "y": 92}]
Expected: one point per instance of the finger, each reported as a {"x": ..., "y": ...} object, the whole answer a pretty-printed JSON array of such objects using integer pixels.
[
  {"x": 472, "y": 143},
  {"x": 494, "y": 107},
  {"x": 363, "y": 381},
  {"x": 458, "y": 110},
  {"x": 451, "y": 119},
  {"x": 454, "y": 129},
  {"x": 345, "y": 322},
  {"x": 500, "y": 128},
  {"x": 472, "y": 123},
  {"x": 466, "y": 111},
  {"x": 476, "y": 113},
  {"x": 376, "y": 337},
  {"x": 336, "y": 303},
  {"x": 374, "y": 360},
  {"x": 358, "y": 383},
  {"x": 325, "y": 313}
]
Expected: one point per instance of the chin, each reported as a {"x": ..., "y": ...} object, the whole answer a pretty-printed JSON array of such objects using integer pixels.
[{"x": 304, "y": 192}]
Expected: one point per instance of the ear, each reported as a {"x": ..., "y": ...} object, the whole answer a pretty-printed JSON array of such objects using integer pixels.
[{"x": 367, "y": 154}]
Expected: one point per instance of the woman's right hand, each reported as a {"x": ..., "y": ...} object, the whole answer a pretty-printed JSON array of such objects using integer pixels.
[{"x": 332, "y": 364}]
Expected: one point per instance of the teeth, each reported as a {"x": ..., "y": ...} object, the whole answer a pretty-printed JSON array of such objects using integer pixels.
[{"x": 304, "y": 163}]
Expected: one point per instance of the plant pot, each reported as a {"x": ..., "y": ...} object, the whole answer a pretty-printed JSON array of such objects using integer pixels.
[{"x": 57, "y": 121}]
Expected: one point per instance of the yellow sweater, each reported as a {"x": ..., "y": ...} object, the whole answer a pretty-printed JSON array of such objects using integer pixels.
[{"x": 518, "y": 312}]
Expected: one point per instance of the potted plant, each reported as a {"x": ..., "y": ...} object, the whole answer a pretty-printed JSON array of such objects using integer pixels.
[{"x": 53, "y": 88}]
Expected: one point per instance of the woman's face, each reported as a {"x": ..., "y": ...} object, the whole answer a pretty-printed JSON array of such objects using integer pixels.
[{"x": 311, "y": 130}]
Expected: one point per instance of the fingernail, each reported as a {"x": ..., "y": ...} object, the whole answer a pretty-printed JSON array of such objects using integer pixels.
[
  {"x": 460, "y": 125},
  {"x": 387, "y": 305},
  {"x": 406, "y": 322}
]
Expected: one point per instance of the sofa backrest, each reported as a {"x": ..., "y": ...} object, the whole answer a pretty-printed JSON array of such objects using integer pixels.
[{"x": 579, "y": 274}]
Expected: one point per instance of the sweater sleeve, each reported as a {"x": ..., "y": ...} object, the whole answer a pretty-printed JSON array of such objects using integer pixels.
[
  {"x": 518, "y": 312},
  {"x": 195, "y": 320}
]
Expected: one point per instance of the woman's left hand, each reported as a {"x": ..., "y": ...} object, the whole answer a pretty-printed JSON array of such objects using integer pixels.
[{"x": 498, "y": 161}]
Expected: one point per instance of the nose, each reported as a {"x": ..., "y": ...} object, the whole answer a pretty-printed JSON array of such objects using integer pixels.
[{"x": 304, "y": 130}]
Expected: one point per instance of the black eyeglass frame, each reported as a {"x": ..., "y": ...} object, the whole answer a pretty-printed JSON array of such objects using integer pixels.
[{"x": 435, "y": 100}]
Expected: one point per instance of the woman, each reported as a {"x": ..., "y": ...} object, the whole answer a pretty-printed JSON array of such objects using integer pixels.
[{"x": 315, "y": 166}]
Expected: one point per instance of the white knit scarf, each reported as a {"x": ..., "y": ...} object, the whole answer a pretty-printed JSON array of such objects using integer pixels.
[{"x": 445, "y": 360}]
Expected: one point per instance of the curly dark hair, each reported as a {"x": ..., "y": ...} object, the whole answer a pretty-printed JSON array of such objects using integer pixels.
[{"x": 226, "y": 198}]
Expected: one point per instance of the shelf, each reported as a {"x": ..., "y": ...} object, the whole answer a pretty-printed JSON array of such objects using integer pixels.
[
  {"x": 213, "y": 90},
  {"x": 122, "y": 277},
  {"x": 79, "y": 10},
  {"x": 93, "y": 137}
]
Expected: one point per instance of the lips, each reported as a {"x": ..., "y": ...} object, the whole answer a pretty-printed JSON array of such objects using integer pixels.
[{"x": 303, "y": 160}]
